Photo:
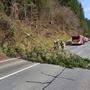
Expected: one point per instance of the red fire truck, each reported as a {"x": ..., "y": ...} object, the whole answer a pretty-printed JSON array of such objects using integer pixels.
[{"x": 79, "y": 40}]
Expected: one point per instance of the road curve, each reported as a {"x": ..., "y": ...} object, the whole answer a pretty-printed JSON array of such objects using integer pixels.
[
  {"x": 18, "y": 74},
  {"x": 32, "y": 76},
  {"x": 81, "y": 50}
]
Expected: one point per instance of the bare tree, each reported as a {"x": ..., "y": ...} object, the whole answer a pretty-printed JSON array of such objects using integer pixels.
[{"x": 14, "y": 10}]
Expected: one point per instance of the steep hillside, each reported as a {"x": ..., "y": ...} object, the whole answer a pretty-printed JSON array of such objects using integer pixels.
[
  {"x": 88, "y": 31},
  {"x": 25, "y": 24}
]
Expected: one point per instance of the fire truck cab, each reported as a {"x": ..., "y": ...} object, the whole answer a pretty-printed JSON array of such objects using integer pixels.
[{"x": 79, "y": 40}]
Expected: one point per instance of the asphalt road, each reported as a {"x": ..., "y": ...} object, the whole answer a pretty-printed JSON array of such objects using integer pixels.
[
  {"x": 18, "y": 74},
  {"x": 81, "y": 50}
]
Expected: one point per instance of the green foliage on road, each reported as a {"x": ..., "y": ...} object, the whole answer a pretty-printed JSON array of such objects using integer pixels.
[
  {"x": 65, "y": 58},
  {"x": 42, "y": 55}
]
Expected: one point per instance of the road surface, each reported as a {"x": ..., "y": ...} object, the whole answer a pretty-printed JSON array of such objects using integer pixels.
[
  {"x": 17, "y": 74},
  {"x": 81, "y": 50}
]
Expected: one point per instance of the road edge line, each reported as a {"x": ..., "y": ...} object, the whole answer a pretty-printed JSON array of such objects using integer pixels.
[{"x": 19, "y": 71}]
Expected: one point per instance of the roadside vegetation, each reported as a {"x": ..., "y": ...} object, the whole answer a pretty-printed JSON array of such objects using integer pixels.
[
  {"x": 65, "y": 58},
  {"x": 56, "y": 56}
]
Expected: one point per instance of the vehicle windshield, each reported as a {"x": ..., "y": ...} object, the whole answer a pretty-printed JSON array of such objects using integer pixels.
[{"x": 75, "y": 37}]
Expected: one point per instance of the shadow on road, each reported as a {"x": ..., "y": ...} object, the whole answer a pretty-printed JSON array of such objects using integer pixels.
[{"x": 69, "y": 43}]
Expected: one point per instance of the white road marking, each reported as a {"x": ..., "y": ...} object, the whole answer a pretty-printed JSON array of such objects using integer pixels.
[
  {"x": 8, "y": 60},
  {"x": 19, "y": 71}
]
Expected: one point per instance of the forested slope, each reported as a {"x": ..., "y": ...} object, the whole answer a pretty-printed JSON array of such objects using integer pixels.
[{"x": 25, "y": 24}]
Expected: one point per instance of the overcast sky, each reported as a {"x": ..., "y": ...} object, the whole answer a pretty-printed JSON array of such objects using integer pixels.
[{"x": 86, "y": 7}]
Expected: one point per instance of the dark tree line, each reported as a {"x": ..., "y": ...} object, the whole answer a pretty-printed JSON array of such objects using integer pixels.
[{"x": 76, "y": 6}]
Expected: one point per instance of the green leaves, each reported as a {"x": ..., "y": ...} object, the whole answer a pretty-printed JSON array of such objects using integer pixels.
[{"x": 65, "y": 59}]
